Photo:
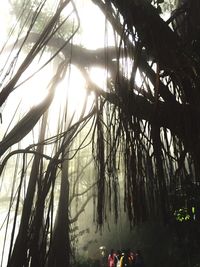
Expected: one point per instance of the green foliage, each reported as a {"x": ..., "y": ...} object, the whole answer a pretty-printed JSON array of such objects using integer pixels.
[
  {"x": 35, "y": 15},
  {"x": 164, "y": 5},
  {"x": 182, "y": 215},
  {"x": 168, "y": 6}
]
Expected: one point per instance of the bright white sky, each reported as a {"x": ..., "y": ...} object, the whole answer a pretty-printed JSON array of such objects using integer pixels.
[
  {"x": 92, "y": 36},
  {"x": 93, "y": 23}
]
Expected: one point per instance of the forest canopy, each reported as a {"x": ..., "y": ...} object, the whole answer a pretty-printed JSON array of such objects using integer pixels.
[{"x": 116, "y": 124}]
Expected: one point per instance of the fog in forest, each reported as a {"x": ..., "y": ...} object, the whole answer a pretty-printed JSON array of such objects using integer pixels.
[
  {"x": 92, "y": 156},
  {"x": 71, "y": 101}
]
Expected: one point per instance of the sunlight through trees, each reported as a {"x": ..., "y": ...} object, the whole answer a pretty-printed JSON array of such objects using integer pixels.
[{"x": 99, "y": 107}]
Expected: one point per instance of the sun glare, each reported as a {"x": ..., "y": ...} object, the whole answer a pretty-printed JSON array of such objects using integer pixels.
[
  {"x": 91, "y": 36},
  {"x": 70, "y": 93},
  {"x": 99, "y": 77}
]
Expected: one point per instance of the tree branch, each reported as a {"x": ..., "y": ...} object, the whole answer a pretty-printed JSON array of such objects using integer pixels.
[{"x": 82, "y": 209}]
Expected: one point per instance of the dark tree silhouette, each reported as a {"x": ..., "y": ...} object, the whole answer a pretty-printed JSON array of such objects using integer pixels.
[{"x": 149, "y": 131}]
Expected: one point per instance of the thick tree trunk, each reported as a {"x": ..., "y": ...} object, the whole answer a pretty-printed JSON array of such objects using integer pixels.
[
  {"x": 21, "y": 247},
  {"x": 59, "y": 254}
]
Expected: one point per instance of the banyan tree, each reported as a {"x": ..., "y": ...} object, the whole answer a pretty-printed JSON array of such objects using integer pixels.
[{"x": 139, "y": 133}]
